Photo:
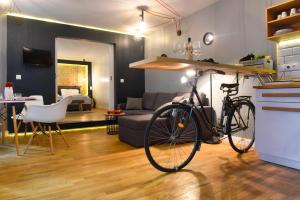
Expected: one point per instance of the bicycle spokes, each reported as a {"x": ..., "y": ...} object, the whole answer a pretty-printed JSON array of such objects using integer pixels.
[
  {"x": 171, "y": 139},
  {"x": 242, "y": 127}
]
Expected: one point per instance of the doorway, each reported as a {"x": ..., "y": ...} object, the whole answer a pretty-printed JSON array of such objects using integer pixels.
[{"x": 99, "y": 57}]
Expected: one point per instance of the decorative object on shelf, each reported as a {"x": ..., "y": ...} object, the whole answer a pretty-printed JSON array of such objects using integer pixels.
[
  {"x": 284, "y": 14},
  {"x": 209, "y": 60},
  {"x": 8, "y": 91},
  {"x": 208, "y": 38},
  {"x": 261, "y": 61},
  {"x": 189, "y": 48},
  {"x": 279, "y": 17},
  {"x": 248, "y": 57},
  {"x": 283, "y": 31},
  {"x": 294, "y": 11}
]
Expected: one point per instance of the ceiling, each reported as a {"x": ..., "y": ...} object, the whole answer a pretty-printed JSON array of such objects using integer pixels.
[{"x": 118, "y": 15}]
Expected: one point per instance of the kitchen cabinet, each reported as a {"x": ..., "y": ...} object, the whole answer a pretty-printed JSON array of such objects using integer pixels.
[{"x": 278, "y": 124}]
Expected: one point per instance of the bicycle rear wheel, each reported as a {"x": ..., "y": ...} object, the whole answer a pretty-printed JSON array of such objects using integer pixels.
[
  {"x": 172, "y": 138},
  {"x": 241, "y": 126}
]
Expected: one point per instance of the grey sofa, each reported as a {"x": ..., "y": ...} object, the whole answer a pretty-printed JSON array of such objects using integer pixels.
[{"x": 134, "y": 123}]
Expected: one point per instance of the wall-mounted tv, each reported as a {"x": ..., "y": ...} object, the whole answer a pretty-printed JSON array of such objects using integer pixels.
[{"x": 37, "y": 57}]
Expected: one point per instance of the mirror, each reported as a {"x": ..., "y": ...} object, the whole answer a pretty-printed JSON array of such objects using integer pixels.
[{"x": 208, "y": 38}]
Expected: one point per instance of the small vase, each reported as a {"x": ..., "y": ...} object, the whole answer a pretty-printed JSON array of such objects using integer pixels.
[{"x": 8, "y": 93}]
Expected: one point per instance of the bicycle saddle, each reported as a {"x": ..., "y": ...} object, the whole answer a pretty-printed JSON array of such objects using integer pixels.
[{"x": 230, "y": 86}]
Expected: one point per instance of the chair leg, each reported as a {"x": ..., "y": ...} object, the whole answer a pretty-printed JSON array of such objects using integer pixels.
[
  {"x": 30, "y": 140},
  {"x": 35, "y": 135},
  {"x": 19, "y": 125},
  {"x": 62, "y": 135},
  {"x": 51, "y": 141},
  {"x": 25, "y": 129}
]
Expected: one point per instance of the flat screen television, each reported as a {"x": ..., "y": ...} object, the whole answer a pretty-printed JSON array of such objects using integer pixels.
[{"x": 37, "y": 57}]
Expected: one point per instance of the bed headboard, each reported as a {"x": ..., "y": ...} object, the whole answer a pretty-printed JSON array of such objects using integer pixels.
[{"x": 60, "y": 87}]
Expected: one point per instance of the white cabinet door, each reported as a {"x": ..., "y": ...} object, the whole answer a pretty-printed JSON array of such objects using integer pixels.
[{"x": 278, "y": 134}]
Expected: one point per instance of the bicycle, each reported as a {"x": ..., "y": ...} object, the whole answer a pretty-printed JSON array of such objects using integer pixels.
[{"x": 173, "y": 135}]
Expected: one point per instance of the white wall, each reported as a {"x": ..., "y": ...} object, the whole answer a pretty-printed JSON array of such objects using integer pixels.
[
  {"x": 102, "y": 57},
  {"x": 239, "y": 27},
  {"x": 3, "y": 51}
]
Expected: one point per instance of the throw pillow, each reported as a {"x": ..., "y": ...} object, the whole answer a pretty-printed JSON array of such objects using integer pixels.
[{"x": 134, "y": 103}]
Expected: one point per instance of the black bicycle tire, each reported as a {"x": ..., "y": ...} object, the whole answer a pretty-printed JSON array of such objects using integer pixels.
[
  {"x": 146, "y": 143},
  {"x": 230, "y": 116}
]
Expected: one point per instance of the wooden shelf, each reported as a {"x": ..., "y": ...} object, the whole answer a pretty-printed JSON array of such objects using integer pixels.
[
  {"x": 285, "y": 21},
  {"x": 285, "y": 36},
  {"x": 277, "y": 8},
  {"x": 274, "y": 24},
  {"x": 175, "y": 64}
]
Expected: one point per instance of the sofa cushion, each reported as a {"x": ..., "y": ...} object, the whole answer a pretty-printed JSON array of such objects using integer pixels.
[
  {"x": 202, "y": 96},
  {"x": 163, "y": 98},
  {"x": 138, "y": 112},
  {"x": 134, "y": 104},
  {"x": 149, "y": 100},
  {"x": 136, "y": 122}
]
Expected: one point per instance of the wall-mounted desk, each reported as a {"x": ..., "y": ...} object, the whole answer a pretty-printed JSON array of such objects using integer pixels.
[{"x": 278, "y": 123}]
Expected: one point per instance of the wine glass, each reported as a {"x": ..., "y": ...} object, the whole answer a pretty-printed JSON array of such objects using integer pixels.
[
  {"x": 179, "y": 48},
  {"x": 196, "y": 48}
]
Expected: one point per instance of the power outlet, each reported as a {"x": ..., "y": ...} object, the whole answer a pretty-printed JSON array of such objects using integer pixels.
[{"x": 18, "y": 77}]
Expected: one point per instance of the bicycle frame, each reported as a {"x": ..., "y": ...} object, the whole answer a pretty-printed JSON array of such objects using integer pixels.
[{"x": 228, "y": 104}]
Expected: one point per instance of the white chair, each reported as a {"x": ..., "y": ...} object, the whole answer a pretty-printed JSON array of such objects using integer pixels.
[
  {"x": 20, "y": 117},
  {"x": 47, "y": 115}
]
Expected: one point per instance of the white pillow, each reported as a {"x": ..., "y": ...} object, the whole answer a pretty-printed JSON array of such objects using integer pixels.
[{"x": 69, "y": 92}]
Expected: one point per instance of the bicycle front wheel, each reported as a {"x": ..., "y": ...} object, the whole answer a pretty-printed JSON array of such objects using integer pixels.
[
  {"x": 241, "y": 126},
  {"x": 172, "y": 138}
]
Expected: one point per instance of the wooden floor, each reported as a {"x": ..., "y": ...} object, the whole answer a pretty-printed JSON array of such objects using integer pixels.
[
  {"x": 89, "y": 116},
  {"x": 98, "y": 166}
]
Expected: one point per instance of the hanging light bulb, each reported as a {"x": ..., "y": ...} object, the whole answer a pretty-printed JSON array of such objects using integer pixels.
[
  {"x": 142, "y": 27},
  {"x": 6, "y": 6}
]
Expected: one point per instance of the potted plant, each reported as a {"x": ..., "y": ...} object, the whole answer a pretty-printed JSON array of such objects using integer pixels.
[{"x": 8, "y": 91}]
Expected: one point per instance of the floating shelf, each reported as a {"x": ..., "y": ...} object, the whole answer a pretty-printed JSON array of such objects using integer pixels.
[
  {"x": 175, "y": 64},
  {"x": 285, "y": 21},
  {"x": 286, "y": 36}
]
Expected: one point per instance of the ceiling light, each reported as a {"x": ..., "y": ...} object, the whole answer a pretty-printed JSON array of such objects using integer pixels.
[
  {"x": 142, "y": 27},
  {"x": 5, "y": 6}
]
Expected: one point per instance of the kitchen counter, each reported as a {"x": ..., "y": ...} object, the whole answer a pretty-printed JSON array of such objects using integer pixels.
[
  {"x": 278, "y": 123},
  {"x": 279, "y": 85}
]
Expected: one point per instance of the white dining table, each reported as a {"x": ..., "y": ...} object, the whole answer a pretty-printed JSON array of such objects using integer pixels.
[{"x": 4, "y": 117}]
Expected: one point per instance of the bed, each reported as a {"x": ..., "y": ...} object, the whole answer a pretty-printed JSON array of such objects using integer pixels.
[{"x": 79, "y": 102}]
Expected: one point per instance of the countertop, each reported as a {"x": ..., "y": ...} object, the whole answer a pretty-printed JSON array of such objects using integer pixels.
[{"x": 279, "y": 85}]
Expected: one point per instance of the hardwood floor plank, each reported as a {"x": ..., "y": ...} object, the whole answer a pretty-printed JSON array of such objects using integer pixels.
[{"x": 99, "y": 166}]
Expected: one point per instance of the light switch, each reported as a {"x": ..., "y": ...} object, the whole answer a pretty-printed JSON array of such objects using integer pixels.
[
  {"x": 122, "y": 80},
  {"x": 19, "y": 77}
]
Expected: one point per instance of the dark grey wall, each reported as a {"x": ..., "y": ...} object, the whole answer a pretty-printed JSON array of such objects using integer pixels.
[{"x": 41, "y": 35}]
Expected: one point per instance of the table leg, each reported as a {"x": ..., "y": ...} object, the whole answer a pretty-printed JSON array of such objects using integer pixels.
[
  {"x": 4, "y": 121},
  {"x": 15, "y": 129}
]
